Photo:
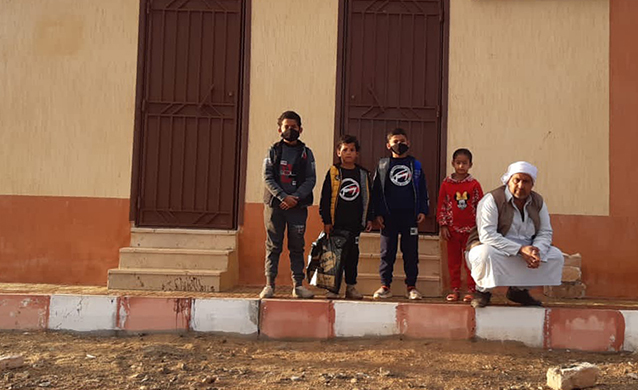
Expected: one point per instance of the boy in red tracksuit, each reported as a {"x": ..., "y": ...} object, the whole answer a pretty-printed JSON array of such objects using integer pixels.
[{"x": 456, "y": 214}]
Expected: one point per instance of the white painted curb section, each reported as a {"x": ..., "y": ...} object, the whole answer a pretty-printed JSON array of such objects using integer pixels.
[
  {"x": 631, "y": 330},
  {"x": 82, "y": 313},
  {"x": 225, "y": 316},
  {"x": 512, "y": 324},
  {"x": 358, "y": 319}
]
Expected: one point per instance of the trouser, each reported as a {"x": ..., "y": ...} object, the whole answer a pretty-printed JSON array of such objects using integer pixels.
[
  {"x": 404, "y": 225},
  {"x": 350, "y": 256},
  {"x": 455, "y": 260},
  {"x": 276, "y": 222}
]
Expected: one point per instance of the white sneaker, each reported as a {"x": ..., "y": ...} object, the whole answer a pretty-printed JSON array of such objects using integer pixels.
[
  {"x": 302, "y": 292},
  {"x": 352, "y": 293},
  {"x": 382, "y": 293},
  {"x": 414, "y": 294},
  {"x": 331, "y": 295},
  {"x": 267, "y": 292}
]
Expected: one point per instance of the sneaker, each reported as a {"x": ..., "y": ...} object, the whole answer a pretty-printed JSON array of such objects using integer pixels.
[
  {"x": 481, "y": 299},
  {"x": 302, "y": 293},
  {"x": 352, "y": 293},
  {"x": 267, "y": 292},
  {"x": 414, "y": 294},
  {"x": 522, "y": 296},
  {"x": 331, "y": 295},
  {"x": 382, "y": 293}
]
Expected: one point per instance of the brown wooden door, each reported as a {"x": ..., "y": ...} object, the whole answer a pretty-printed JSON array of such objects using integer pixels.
[
  {"x": 392, "y": 78},
  {"x": 190, "y": 110}
]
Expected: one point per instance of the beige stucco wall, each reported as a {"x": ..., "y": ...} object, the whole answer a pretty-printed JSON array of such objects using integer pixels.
[
  {"x": 529, "y": 80},
  {"x": 293, "y": 66},
  {"x": 67, "y": 82}
]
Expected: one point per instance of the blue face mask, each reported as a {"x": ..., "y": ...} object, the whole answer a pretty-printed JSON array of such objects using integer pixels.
[{"x": 400, "y": 148}]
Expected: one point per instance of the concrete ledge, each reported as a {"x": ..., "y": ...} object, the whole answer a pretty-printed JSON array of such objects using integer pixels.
[{"x": 588, "y": 329}]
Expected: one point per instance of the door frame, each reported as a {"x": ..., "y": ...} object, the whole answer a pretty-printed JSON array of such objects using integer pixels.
[
  {"x": 242, "y": 115},
  {"x": 340, "y": 90}
]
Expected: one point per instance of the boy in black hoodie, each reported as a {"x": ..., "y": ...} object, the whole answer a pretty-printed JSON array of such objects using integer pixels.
[
  {"x": 401, "y": 202},
  {"x": 345, "y": 205}
]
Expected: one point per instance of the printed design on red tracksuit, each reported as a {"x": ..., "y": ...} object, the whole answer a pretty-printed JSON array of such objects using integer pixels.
[{"x": 456, "y": 209}]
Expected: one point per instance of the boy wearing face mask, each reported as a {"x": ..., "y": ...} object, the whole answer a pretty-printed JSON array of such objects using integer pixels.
[
  {"x": 289, "y": 177},
  {"x": 401, "y": 202}
]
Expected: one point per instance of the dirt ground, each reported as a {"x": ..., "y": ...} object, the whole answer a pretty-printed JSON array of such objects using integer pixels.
[{"x": 191, "y": 361}]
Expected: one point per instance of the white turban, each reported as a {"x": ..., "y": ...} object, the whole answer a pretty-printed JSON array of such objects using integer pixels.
[{"x": 519, "y": 167}]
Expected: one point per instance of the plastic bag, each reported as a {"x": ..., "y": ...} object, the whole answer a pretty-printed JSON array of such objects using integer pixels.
[{"x": 325, "y": 266}]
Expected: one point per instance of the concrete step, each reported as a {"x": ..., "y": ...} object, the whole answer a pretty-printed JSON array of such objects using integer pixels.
[
  {"x": 428, "y": 245},
  {"x": 169, "y": 280},
  {"x": 428, "y": 265},
  {"x": 429, "y": 286},
  {"x": 163, "y": 258},
  {"x": 184, "y": 238}
]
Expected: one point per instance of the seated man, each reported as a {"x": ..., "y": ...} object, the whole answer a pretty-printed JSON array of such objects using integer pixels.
[{"x": 512, "y": 242}]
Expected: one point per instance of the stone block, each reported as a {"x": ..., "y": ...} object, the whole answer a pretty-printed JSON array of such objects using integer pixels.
[
  {"x": 574, "y": 260},
  {"x": 566, "y": 290},
  {"x": 571, "y": 274},
  {"x": 575, "y": 376},
  {"x": 12, "y": 361}
]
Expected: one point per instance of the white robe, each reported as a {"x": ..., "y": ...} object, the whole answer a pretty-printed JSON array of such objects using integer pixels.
[{"x": 495, "y": 262}]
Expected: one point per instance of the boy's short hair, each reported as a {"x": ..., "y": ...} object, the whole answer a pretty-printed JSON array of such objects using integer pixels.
[
  {"x": 397, "y": 131},
  {"x": 462, "y": 151},
  {"x": 289, "y": 115},
  {"x": 348, "y": 139}
]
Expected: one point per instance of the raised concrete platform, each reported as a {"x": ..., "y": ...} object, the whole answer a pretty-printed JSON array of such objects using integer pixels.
[{"x": 591, "y": 328}]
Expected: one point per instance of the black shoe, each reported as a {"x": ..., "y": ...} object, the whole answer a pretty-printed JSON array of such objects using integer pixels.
[
  {"x": 481, "y": 299},
  {"x": 522, "y": 296}
]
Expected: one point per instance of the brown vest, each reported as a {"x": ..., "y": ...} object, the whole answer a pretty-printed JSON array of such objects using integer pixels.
[{"x": 506, "y": 214}]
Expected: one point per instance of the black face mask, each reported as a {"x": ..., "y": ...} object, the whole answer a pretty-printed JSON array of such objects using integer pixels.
[
  {"x": 290, "y": 135},
  {"x": 400, "y": 148}
]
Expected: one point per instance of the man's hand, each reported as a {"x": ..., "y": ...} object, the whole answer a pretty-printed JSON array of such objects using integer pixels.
[
  {"x": 380, "y": 221},
  {"x": 368, "y": 227},
  {"x": 289, "y": 202},
  {"x": 327, "y": 228},
  {"x": 531, "y": 255},
  {"x": 445, "y": 232},
  {"x": 420, "y": 218}
]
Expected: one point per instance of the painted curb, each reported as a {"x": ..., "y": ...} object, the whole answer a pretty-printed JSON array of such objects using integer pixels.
[
  {"x": 82, "y": 313},
  {"x": 522, "y": 324},
  {"x": 240, "y": 316},
  {"x": 144, "y": 314},
  {"x": 631, "y": 330},
  {"x": 365, "y": 319},
  {"x": 451, "y": 322},
  {"x": 24, "y": 312}
]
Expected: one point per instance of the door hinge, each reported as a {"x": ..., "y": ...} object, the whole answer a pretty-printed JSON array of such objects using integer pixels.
[
  {"x": 438, "y": 112},
  {"x": 138, "y": 204},
  {"x": 441, "y": 11},
  {"x": 148, "y": 6},
  {"x": 143, "y": 105}
]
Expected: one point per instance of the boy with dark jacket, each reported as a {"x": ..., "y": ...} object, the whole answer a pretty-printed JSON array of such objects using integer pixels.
[
  {"x": 345, "y": 205},
  {"x": 401, "y": 202},
  {"x": 289, "y": 177}
]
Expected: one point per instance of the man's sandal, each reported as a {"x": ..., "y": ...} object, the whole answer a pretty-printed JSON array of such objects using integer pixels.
[{"x": 453, "y": 296}]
